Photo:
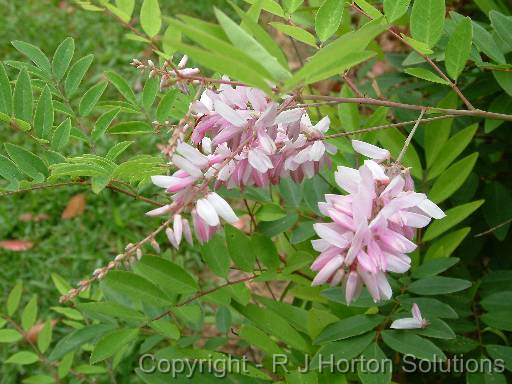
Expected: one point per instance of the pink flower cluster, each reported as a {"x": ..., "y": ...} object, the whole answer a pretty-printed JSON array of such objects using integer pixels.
[
  {"x": 241, "y": 139},
  {"x": 372, "y": 227}
]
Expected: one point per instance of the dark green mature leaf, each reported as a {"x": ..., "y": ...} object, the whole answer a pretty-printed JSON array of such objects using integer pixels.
[
  {"x": 502, "y": 25},
  {"x": 27, "y": 162},
  {"x": 265, "y": 250},
  {"x": 103, "y": 123},
  {"x": 91, "y": 97},
  {"x": 259, "y": 339},
  {"x": 35, "y": 54},
  {"x": 131, "y": 128},
  {"x": 451, "y": 149},
  {"x": 61, "y": 135},
  {"x": 168, "y": 276},
  {"x": 166, "y": 328},
  {"x": 76, "y": 74},
  {"x": 98, "y": 310},
  {"x": 498, "y": 319},
  {"x": 135, "y": 287},
  {"x": 291, "y": 192},
  {"x": 395, "y": 9},
  {"x": 501, "y": 352},
  {"x": 498, "y": 208},
  {"x": 351, "y": 326},
  {"x": 62, "y": 57},
  {"x": 239, "y": 247},
  {"x": 328, "y": 18},
  {"x": 434, "y": 267},
  {"x": 426, "y": 74},
  {"x": 460, "y": 344},
  {"x": 78, "y": 338},
  {"x": 367, "y": 373},
  {"x": 498, "y": 301},
  {"x": 22, "y": 98},
  {"x": 111, "y": 343},
  {"x": 9, "y": 171},
  {"x": 29, "y": 314},
  {"x": 459, "y": 47},
  {"x": 343, "y": 349},
  {"x": 427, "y": 20},
  {"x": 273, "y": 228},
  {"x": 114, "y": 152},
  {"x": 223, "y": 319},
  {"x": 295, "y": 32},
  {"x": 438, "y": 285},
  {"x": 452, "y": 179},
  {"x": 5, "y": 92},
  {"x": 216, "y": 256},
  {"x": 150, "y": 17},
  {"x": 430, "y": 308},
  {"x": 303, "y": 232},
  {"x": 436, "y": 329},
  {"x": 122, "y": 86},
  {"x": 408, "y": 343},
  {"x": 43, "y": 118},
  {"x": 486, "y": 43}
]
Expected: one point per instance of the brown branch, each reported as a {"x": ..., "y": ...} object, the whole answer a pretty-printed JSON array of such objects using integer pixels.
[{"x": 494, "y": 228}]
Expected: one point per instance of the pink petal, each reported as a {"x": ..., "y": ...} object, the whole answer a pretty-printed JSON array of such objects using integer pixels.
[
  {"x": 178, "y": 228},
  {"x": 370, "y": 150},
  {"x": 327, "y": 271},
  {"x": 187, "y": 166},
  {"x": 229, "y": 114},
  {"x": 159, "y": 211}
]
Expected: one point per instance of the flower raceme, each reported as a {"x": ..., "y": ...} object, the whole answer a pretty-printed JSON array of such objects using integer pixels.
[{"x": 372, "y": 227}]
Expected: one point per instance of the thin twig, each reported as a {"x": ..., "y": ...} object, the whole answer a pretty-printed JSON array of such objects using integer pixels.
[
  {"x": 409, "y": 138},
  {"x": 494, "y": 228}
]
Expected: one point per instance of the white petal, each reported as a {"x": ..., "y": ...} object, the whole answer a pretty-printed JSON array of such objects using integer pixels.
[
  {"x": 222, "y": 207},
  {"x": 159, "y": 211},
  {"x": 323, "y": 125},
  {"x": 414, "y": 220},
  {"x": 187, "y": 166},
  {"x": 416, "y": 313},
  {"x": 178, "y": 228},
  {"x": 163, "y": 181},
  {"x": 259, "y": 160},
  {"x": 229, "y": 114},
  {"x": 206, "y": 145},
  {"x": 327, "y": 233},
  {"x": 347, "y": 178},
  {"x": 407, "y": 323},
  {"x": 317, "y": 150},
  {"x": 370, "y": 150},
  {"x": 377, "y": 170},
  {"x": 327, "y": 271},
  {"x": 172, "y": 239},
  {"x": 431, "y": 209},
  {"x": 207, "y": 212},
  {"x": 192, "y": 154},
  {"x": 289, "y": 116}
]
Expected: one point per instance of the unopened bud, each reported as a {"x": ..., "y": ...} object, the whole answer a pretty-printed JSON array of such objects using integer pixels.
[{"x": 139, "y": 254}]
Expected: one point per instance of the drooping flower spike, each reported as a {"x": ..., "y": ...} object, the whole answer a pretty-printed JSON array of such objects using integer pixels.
[
  {"x": 414, "y": 322},
  {"x": 372, "y": 228}
]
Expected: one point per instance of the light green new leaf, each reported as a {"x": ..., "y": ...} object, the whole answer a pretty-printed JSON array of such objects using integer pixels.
[
  {"x": 411, "y": 344},
  {"x": 485, "y": 42},
  {"x": 13, "y": 300},
  {"x": 5, "y": 92},
  {"x": 419, "y": 46},
  {"x": 9, "y": 336},
  {"x": 459, "y": 48},
  {"x": 122, "y": 86},
  {"x": 270, "y": 6},
  {"x": 23, "y": 97},
  {"x": 149, "y": 92},
  {"x": 292, "y": 5},
  {"x": 328, "y": 18},
  {"x": 395, "y": 9},
  {"x": 27, "y": 162},
  {"x": 150, "y": 17},
  {"x": 29, "y": 314},
  {"x": 34, "y": 54},
  {"x": 369, "y": 9},
  {"x": 427, "y": 20},
  {"x": 127, "y": 7},
  {"x": 112, "y": 342},
  {"x": 91, "y": 97},
  {"x": 166, "y": 102},
  {"x": 342, "y": 65},
  {"x": 117, "y": 149},
  {"x": 131, "y": 128},
  {"x": 103, "y": 123},
  {"x": 166, "y": 328},
  {"x": 438, "y": 285},
  {"x": 445, "y": 246},
  {"x": 76, "y": 74},
  {"x": 295, "y": 32},
  {"x": 502, "y": 25},
  {"x": 43, "y": 118},
  {"x": 452, "y": 179},
  {"x": 62, "y": 57},
  {"x": 453, "y": 217},
  {"x": 61, "y": 135},
  {"x": 425, "y": 74},
  {"x": 243, "y": 41},
  {"x": 451, "y": 149},
  {"x": 45, "y": 336},
  {"x": 22, "y": 358}
]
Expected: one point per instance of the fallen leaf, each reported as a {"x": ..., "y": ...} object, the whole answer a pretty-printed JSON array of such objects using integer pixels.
[
  {"x": 75, "y": 207},
  {"x": 16, "y": 245},
  {"x": 33, "y": 217}
]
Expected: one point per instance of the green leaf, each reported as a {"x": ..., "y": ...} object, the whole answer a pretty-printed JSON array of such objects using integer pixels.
[
  {"x": 168, "y": 276},
  {"x": 242, "y": 40},
  {"x": 76, "y": 339},
  {"x": 259, "y": 339},
  {"x": 411, "y": 344},
  {"x": 504, "y": 79},
  {"x": 270, "y": 6},
  {"x": 103, "y": 123},
  {"x": 328, "y": 18},
  {"x": 419, "y": 46},
  {"x": 266, "y": 250},
  {"x": 131, "y": 128},
  {"x": 395, "y": 9},
  {"x": 452, "y": 179},
  {"x": 45, "y": 337},
  {"x": 370, "y": 375},
  {"x": 13, "y": 300},
  {"x": 502, "y": 25},
  {"x": 436, "y": 329},
  {"x": 61, "y": 134},
  {"x": 114, "y": 152},
  {"x": 351, "y": 326},
  {"x": 438, "y": 285},
  {"x": 216, "y": 256},
  {"x": 91, "y": 97},
  {"x": 22, "y": 358},
  {"x": 9, "y": 171},
  {"x": 149, "y": 92},
  {"x": 498, "y": 301},
  {"x": 76, "y": 74},
  {"x": 62, "y": 57},
  {"x": 111, "y": 343},
  {"x": 453, "y": 217},
  {"x": 343, "y": 349},
  {"x": 295, "y": 32},
  {"x": 451, "y": 149},
  {"x": 9, "y": 336},
  {"x": 291, "y": 192},
  {"x": 38, "y": 379},
  {"x": 501, "y": 352},
  {"x": 43, "y": 118},
  {"x": 458, "y": 48},
  {"x": 425, "y": 74},
  {"x": 100, "y": 310},
  {"x": 499, "y": 319},
  {"x": 498, "y": 208},
  {"x": 303, "y": 232},
  {"x": 34, "y": 54},
  {"x": 273, "y": 228},
  {"x": 270, "y": 212},
  {"x": 29, "y": 314},
  {"x": 150, "y": 17},
  {"x": 434, "y": 267},
  {"x": 223, "y": 319},
  {"x": 430, "y": 308},
  {"x": 27, "y": 162},
  {"x": 292, "y": 5},
  {"x": 166, "y": 328},
  {"x": 22, "y": 98},
  {"x": 369, "y": 9},
  {"x": 394, "y": 140},
  {"x": 122, "y": 86},
  {"x": 135, "y": 287},
  {"x": 427, "y": 20},
  {"x": 446, "y": 245},
  {"x": 239, "y": 247},
  {"x": 5, "y": 92},
  {"x": 485, "y": 43},
  {"x": 164, "y": 106}
]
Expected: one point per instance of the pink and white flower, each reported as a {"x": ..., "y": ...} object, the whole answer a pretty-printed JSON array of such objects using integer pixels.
[{"x": 414, "y": 322}]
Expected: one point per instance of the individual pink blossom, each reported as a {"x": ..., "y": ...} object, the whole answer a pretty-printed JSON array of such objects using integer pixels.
[
  {"x": 372, "y": 228},
  {"x": 414, "y": 322}
]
